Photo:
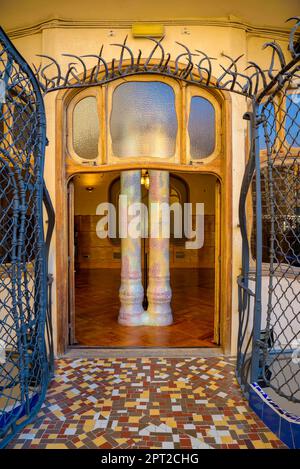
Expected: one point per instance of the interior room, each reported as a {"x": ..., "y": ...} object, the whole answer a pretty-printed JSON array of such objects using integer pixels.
[{"x": 97, "y": 265}]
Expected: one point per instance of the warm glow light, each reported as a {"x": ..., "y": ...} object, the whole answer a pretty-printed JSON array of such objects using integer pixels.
[{"x": 145, "y": 180}]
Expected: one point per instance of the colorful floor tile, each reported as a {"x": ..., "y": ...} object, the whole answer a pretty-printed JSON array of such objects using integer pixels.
[{"x": 146, "y": 403}]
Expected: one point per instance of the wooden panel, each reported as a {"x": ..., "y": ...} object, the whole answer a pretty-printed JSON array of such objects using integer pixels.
[
  {"x": 90, "y": 238},
  {"x": 217, "y": 251},
  {"x": 71, "y": 263},
  {"x": 88, "y": 222},
  {"x": 97, "y": 257},
  {"x": 93, "y": 252}
]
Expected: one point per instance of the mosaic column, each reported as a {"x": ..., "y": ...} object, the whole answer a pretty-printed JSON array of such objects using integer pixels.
[
  {"x": 159, "y": 291},
  {"x": 131, "y": 290}
]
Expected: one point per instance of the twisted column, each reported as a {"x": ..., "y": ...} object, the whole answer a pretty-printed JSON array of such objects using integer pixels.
[
  {"x": 131, "y": 289},
  {"x": 159, "y": 291}
]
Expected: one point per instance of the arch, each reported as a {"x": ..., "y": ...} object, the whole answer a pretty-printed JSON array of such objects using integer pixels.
[{"x": 219, "y": 167}]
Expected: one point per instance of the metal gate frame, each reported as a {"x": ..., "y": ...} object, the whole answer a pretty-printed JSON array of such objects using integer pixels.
[
  {"x": 260, "y": 347},
  {"x": 25, "y": 288}
]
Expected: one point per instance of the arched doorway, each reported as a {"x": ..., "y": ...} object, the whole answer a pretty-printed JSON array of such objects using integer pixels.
[
  {"x": 209, "y": 156},
  {"x": 97, "y": 262}
]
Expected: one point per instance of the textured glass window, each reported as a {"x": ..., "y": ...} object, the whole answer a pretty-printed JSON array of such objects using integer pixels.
[
  {"x": 143, "y": 120},
  {"x": 201, "y": 128},
  {"x": 86, "y": 128},
  {"x": 292, "y": 121}
]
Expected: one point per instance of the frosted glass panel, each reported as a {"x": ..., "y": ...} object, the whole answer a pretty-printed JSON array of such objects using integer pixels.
[
  {"x": 86, "y": 128},
  {"x": 143, "y": 120},
  {"x": 201, "y": 127}
]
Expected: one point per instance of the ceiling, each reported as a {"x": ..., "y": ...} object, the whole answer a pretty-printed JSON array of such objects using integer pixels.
[{"x": 19, "y": 14}]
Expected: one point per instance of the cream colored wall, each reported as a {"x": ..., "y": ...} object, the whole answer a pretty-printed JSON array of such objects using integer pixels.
[
  {"x": 202, "y": 190},
  {"x": 29, "y": 13},
  {"x": 212, "y": 39}
]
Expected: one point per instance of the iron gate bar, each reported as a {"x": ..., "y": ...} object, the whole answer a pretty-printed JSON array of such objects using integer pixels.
[
  {"x": 257, "y": 305},
  {"x": 49, "y": 329},
  {"x": 244, "y": 292}
]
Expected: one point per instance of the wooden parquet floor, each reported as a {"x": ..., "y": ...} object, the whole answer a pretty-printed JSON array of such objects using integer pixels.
[{"x": 97, "y": 306}]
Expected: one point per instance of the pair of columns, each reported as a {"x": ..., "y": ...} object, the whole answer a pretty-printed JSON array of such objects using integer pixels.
[{"x": 131, "y": 291}]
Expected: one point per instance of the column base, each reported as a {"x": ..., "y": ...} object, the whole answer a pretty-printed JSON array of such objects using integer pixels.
[
  {"x": 126, "y": 319},
  {"x": 131, "y": 297},
  {"x": 159, "y": 312}
]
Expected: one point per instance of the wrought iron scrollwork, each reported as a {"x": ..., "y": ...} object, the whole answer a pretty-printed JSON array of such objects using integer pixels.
[{"x": 192, "y": 66}]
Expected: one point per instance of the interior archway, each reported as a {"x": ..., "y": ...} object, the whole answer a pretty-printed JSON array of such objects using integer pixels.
[{"x": 98, "y": 269}]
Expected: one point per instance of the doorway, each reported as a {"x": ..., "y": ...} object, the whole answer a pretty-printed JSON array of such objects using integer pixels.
[{"x": 95, "y": 268}]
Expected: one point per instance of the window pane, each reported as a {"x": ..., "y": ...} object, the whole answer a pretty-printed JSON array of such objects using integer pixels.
[
  {"x": 268, "y": 113},
  {"x": 143, "y": 120},
  {"x": 292, "y": 121},
  {"x": 201, "y": 127},
  {"x": 86, "y": 128}
]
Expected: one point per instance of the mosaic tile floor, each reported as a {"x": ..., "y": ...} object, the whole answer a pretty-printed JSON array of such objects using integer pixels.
[{"x": 146, "y": 403}]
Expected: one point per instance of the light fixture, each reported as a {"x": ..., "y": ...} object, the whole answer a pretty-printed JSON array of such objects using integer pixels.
[
  {"x": 145, "y": 180},
  {"x": 147, "y": 30},
  {"x": 89, "y": 188}
]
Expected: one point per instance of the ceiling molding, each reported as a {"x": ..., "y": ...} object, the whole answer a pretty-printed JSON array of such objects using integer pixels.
[{"x": 229, "y": 22}]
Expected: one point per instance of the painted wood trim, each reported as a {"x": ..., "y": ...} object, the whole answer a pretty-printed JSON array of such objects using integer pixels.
[
  {"x": 71, "y": 262},
  {"x": 217, "y": 261}
]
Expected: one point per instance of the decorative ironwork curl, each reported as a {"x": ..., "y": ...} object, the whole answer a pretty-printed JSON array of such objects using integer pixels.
[
  {"x": 292, "y": 43},
  {"x": 79, "y": 74}
]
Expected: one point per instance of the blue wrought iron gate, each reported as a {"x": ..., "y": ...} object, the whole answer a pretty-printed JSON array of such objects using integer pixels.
[
  {"x": 26, "y": 356},
  {"x": 269, "y": 289}
]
